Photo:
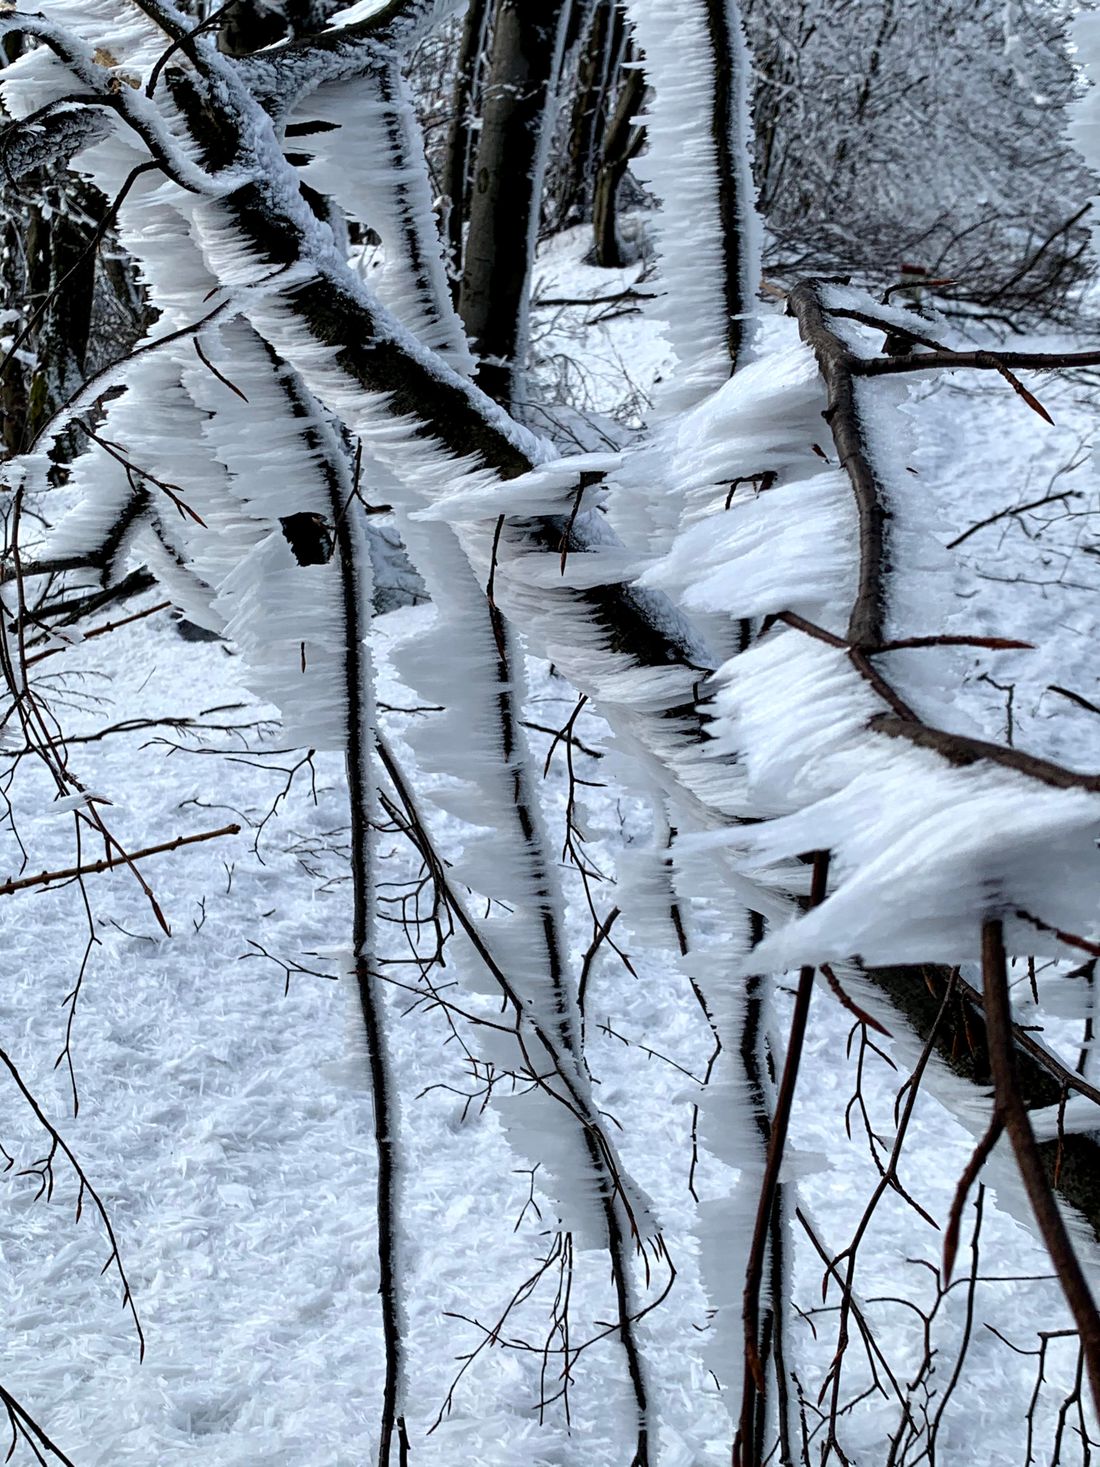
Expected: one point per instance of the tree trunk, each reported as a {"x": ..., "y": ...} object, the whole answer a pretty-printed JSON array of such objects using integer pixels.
[
  {"x": 247, "y": 28},
  {"x": 504, "y": 207},
  {"x": 589, "y": 115},
  {"x": 456, "y": 165},
  {"x": 623, "y": 142}
]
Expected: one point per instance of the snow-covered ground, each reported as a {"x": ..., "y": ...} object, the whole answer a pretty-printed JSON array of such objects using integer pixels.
[{"x": 224, "y": 1118}]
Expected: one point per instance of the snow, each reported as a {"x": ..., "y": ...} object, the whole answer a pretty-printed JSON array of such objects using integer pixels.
[
  {"x": 228, "y": 1125},
  {"x": 217, "y": 1114},
  {"x": 224, "y": 1111}
]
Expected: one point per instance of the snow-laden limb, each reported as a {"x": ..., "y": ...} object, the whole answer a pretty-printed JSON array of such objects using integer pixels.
[
  {"x": 356, "y": 693},
  {"x": 562, "y": 619},
  {"x": 322, "y": 324},
  {"x": 477, "y": 680},
  {"x": 917, "y": 857},
  {"x": 751, "y": 531},
  {"x": 230, "y": 382},
  {"x": 77, "y": 46},
  {"x": 279, "y": 588},
  {"x": 358, "y": 42},
  {"x": 402, "y": 22},
  {"x": 698, "y": 162},
  {"x": 43, "y": 141},
  {"x": 370, "y": 160}
]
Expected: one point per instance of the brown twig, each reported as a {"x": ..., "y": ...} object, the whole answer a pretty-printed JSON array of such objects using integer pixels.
[
  {"x": 777, "y": 1141},
  {"x": 990, "y": 361},
  {"x": 971, "y": 1172},
  {"x": 847, "y": 1001},
  {"x": 102, "y": 630},
  {"x": 838, "y": 367},
  {"x": 960, "y": 750},
  {"x": 1013, "y": 509},
  {"x": 92, "y": 868},
  {"x": 1013, "y": 1114}
]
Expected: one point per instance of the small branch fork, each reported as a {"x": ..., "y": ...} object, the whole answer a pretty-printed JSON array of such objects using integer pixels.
[
  {"x": 556, "y": 1078},
  {"x": 842, "y": 1268},
  {"x": 43, "y": 1169},
  {"x": 839, "y": 367}
]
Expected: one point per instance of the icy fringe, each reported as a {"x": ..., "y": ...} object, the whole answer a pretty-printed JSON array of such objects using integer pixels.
[
  {"x": 123, "y": 35},
  {"x": 234, "y": 469},
  {"x": 476, "y": 743},
  {"x": 918, "y": 856},
  {"x": 918, "y": 850},
  {"x": 244, "y": 557},
  {"x": 682, "y": 167},
  {"x": 370, "y": 166},
  {"x": 530, "y": 588}
]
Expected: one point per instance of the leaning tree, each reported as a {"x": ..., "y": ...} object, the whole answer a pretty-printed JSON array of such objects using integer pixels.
[{"x": 744, "y": 593}]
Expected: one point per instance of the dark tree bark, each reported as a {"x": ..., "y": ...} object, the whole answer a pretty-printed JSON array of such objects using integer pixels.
[
  {"x": 622, "y": 143},
  {"x": 731, "y": 85},
  {"x": 248, "y": 27},
  {"x": 456, "y": 167},
  {"x": 504, "y": 206},
  {"x": 917, "y": 994},
  {"x": 50, "y": 270},
  {"x": 588, "y": 117}
]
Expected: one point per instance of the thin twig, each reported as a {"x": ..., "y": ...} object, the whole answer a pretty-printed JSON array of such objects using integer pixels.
[
  {"x": 754, "y": 1272},
  {"x": 92, "y": 868},
  {"x": 1013, "y": 1114}
]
